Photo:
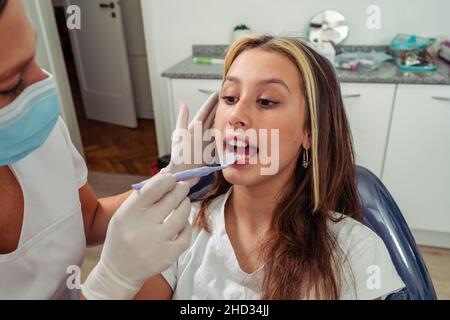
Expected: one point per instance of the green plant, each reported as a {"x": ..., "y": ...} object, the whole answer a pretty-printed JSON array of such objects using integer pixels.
[{"x": 241, "y": 27}]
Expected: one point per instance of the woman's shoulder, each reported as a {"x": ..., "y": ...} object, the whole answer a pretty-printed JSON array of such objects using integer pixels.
[
  {"x": 212, "y": 211},
  {"x": 350, "y": 232},
  {"x": 200, "y": 238},
  {"x": 360, "y": 245},
  {"x": 371, "y": 266}
]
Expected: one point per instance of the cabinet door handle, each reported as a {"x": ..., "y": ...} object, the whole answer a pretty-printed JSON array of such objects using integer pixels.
[
  {"x": 206, "y": 91},
  {"x": 441, "y": 98},
  {"x": 355, "y": 95},
  {"x": 106, "y": 6}
]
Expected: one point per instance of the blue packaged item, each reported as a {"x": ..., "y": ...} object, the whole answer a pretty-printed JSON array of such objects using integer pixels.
[{"x": 412, "y": 52}]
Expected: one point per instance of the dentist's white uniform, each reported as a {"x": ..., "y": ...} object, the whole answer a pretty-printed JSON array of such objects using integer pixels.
[{"x": 52, "y": 236}]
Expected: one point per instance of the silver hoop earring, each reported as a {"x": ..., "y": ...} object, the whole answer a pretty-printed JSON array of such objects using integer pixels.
[{"x": 305, "y": 158}]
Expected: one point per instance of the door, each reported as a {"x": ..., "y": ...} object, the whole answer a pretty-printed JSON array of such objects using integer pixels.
[{"x": 102, "y": 63}]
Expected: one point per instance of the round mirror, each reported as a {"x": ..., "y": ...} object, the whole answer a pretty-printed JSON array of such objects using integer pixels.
[{"x": 328, "y": 26}]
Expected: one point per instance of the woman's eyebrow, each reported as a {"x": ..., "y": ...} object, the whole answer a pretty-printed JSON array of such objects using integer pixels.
[
  {"x": 265, "y": 81},
  {"x": 232, "y": 79},
  {"x": 276, "y": 81}
]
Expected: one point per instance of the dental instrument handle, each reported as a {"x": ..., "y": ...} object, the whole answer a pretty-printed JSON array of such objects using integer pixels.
[
  {"x": 196, "y": 173},
  {"x": 188, "y": 174}
]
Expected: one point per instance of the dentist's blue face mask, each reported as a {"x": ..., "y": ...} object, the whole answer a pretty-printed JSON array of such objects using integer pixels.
[{"x": 26, "y": 123}]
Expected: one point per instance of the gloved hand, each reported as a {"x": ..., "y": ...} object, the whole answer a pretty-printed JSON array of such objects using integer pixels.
[
  {"x": 142, "y": 241},
  {"x": 206, "y": 116}
]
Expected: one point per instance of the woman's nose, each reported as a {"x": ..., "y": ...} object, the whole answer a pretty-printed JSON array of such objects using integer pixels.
[{"x": 240, "y": 115}]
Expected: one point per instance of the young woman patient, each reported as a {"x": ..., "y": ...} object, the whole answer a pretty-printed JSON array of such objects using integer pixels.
[{"x": 295, "y": 234}]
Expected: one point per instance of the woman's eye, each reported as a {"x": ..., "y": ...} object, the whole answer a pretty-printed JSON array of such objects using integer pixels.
[
  {"x": 229, "y": 100},
  {"x": 267, "y": 103}
]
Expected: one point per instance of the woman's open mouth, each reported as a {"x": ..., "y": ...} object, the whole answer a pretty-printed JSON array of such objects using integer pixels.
[{"x": 243, "y": 149}]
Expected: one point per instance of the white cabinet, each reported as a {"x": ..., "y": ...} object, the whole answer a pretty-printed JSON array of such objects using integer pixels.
[
  {"x": 417, "y": 165},
  {"x": 369, "y": 107},
  {"x": 192, "y": 91}
]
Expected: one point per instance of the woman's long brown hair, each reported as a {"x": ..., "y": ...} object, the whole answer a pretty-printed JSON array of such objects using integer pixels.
[{"x": 301, "y": 255}]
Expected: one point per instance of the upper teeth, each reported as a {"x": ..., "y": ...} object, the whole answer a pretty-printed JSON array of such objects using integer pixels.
[{"x": 238, "y": 143}]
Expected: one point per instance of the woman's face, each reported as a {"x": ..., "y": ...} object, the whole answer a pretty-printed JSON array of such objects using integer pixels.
[{"x": 261, "y": 91}]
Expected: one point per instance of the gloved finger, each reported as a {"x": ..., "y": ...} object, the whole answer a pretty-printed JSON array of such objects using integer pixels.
[
  {"x": 183, "y": 117},
  {"x": 192, "y": 182},
  {"x": 182, "y": 242},
  {"x": 177, "y": 221},
  {"x": 207, "y": 124},
  {"x": 206, "y": 108},
  {"x": 154, "y": 190},
  {"x": 169, "y": 202}
]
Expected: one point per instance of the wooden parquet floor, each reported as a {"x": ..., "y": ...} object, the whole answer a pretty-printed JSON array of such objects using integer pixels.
[
  {"x": 111, "y": 148},
  {"x": 115, "y": 149}
]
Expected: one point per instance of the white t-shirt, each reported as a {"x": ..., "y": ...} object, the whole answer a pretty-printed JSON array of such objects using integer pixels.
[
  {"x": 52, "y": 240},
  {"x": 209, "y": 269}
]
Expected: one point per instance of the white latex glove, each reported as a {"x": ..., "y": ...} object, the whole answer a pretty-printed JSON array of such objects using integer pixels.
[
  {"x": 206, "y": 116},
  {"x": 141, "y": 242}
]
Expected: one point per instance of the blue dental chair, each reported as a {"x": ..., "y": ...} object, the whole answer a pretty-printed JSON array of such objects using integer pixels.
[{"x": 382, "y": 215}]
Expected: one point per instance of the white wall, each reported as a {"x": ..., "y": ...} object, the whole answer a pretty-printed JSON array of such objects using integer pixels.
[
  {"x": 179, "y": 24},
  {"x": 173, "y": 26},
  {"x": 137, "y": 57}
]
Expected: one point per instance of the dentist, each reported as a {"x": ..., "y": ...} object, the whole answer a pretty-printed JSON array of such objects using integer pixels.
[{"x": 48, "y": 211}]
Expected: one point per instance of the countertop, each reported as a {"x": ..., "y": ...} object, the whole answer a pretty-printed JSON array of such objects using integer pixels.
[{"x": 388, "y": 72}]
